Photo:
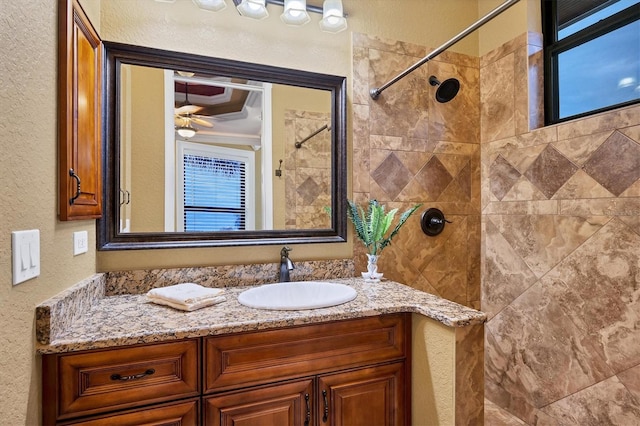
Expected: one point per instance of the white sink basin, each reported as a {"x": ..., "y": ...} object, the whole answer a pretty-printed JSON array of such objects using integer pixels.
[{"x": 297, "y": 295}]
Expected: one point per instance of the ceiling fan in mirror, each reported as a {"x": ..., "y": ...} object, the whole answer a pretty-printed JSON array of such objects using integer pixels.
[{"x": 185, "y": 117}]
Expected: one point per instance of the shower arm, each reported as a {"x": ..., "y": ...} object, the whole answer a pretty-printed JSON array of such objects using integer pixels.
[
  {"x": 299, "y": 144},
  {"x": 375, "y": 93}
]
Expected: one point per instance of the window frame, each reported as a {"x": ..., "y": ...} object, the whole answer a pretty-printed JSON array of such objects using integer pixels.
[
  {"x": 553, "y": 47},
  {"x": 213, "y": 151}
]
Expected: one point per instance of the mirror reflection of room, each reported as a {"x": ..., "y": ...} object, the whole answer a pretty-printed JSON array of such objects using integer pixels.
[{"x": 199, "y": 153}]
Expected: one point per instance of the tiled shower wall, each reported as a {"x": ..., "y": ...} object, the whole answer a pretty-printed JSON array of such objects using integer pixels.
[
  {"x": 307, "y": 170},
  {"x": 561, "y": 254},
  {"x": 408, "y": 149}
]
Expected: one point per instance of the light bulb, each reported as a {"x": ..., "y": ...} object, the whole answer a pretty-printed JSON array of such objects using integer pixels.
[
  {"x": 256, "y": 9},
  {"x": 333, "y": 20},
  {"x": 295, "y": 12}
]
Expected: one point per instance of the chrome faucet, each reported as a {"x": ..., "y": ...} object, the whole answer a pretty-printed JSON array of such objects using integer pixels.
[{"x": 286, "y": 265}]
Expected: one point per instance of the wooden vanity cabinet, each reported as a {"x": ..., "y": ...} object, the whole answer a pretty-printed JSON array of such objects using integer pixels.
[
  {"x": 343, "y": 373},
  {"x": 79, "y": 114}
]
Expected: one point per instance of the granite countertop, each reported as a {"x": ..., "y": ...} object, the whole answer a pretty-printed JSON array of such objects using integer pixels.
[{"x": 128, "y": 319}]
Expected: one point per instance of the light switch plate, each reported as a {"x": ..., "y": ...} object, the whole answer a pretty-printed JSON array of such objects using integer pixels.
[
  {"x": 25, "y": 249},
  {"x": 80, "y": 242}
]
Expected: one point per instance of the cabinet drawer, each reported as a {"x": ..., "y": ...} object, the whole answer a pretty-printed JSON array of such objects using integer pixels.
[
  {"x": 246, "y": 359},
  {"x": 98, "y": 381},
  {"x": 183, "y": 414}
]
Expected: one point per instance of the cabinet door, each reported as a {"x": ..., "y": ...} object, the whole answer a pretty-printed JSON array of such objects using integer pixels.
[
  {"x": 79, "y": 116},
  {"x": 284, "y": 404},
  {"x": 374, "y": 396}
]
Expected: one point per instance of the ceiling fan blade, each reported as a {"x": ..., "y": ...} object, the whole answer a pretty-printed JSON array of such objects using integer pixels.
[
  {"x": 188, "y": 109},
  {"x": 201, "y": 122}
]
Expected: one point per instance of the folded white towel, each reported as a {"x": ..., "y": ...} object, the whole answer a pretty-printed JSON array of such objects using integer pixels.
[{"x": 186, "y": 296}]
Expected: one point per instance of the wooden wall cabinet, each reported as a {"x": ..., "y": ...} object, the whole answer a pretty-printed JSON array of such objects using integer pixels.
[
  {"x": 343, "y": 373},
  {"x": 79, "y": 115}
]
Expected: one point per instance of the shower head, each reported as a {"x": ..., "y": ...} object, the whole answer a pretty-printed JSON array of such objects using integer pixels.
[{"x": 447, "y": 90}]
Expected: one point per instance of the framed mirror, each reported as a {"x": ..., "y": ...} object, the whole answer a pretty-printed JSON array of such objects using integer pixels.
[{"x": 203, "y": 152}]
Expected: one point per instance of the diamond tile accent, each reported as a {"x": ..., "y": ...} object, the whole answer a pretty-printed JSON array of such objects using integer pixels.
[
  {"x": 392, "y": 176},
  {"x": 309, "y": 191},
  {"x": 502, "y": 176},
  {"x": 550, "y": 171},
  {"x": 434, "y": 177},
  {"x": 616, "y": 164}
]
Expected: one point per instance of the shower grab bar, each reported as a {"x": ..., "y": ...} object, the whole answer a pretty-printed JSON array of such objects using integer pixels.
[
  {"x": 299, "y": 144},
  {"x": 375, "y": 93}
]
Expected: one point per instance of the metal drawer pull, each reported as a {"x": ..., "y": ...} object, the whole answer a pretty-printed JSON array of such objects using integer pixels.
[
  {"x": 326, "y": 406},
  {"x": 73, "y": 174},
  {"x": 133, "y": 376},
  {"x": 308, "y": 418}
]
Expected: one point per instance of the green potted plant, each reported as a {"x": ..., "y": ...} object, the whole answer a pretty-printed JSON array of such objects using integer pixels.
[{"x": 372, "y": 228}]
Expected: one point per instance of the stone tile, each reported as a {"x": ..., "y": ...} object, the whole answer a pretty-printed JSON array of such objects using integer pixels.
[
  {"x": 456, "y": 120},
  {"x": 391, "y": 175},
  {"x": 506, "y": 276},
  {"x": 413, "y": 161},
  {"x": 474, "y": 260},
  {"x": 360, "y": 83},
  {"x": 607, "y": 121},
  {"x": 616, "y": 163},
  {"x": 360, "y": 174},
  {"x": 579, "y": 150},
  {"x": 402, "y": 110},
  {"x": 308, "y": 191},
  {"x": 523, "y": 190},
  {"x": 502, "y": 177},
  {"x": 631, "y": 380},
  {"x": 542, "y": 241},
  {"x": 503, "y": 50},
  {"x": 505, "y": 388},
  {"x": 413, "y": 192},
  {"x": 522, "y": 158},
  {"x": 597, "y": 287},
  {"x": 434, "y": 178},
  {"x": 469, "y": 375},
  {"x": 521, "y": 91},
  {"x": 600, "y": 207},
  {"x": 633, "y": 190},
  {"x": 497, "y": 106},
  {"x": 607, "y": 403},
  {"x": 542, "y": 207},
  {"x": 496, "y": 416},
  {"x": 543, "y": 355},
  {"x": 393, "y": 143},
  {"x": 581, "y": 185},
  {"x": 550, "y": 171},
  {"x": 536, "y": 87}
]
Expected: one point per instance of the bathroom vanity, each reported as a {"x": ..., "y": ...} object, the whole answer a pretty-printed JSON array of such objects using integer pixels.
[{"x": 121, "y": 359}]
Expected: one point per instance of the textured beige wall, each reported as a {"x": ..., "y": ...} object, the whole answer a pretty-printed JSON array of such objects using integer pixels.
[
  {"x": 28, "y": 73},
  {"x": 521, "y": 17},
  {"x": 433, "y": 372},
  {"x": 147, "y": 149}
]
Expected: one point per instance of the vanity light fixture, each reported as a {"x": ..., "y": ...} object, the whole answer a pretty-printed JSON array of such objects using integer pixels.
[
  {"x": 333, "y": 20},
  {"x": 295, "y": 12},
  {"x": 186, "y": 131},
  {"x": 212, "y": 5},
  {"x": 256, "y": 9}
]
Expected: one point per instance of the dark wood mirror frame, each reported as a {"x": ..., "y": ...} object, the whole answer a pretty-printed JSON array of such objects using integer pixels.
[{"x": 109, "y": 237}]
